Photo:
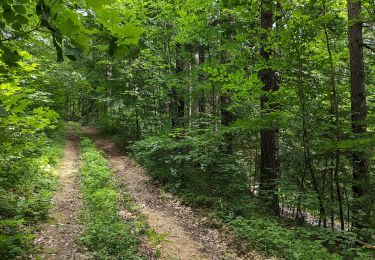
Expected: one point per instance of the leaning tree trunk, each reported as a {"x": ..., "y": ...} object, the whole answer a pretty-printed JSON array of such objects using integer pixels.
[
  {"x": 358, "y": 112},
  {"x": 269, "y": 169}
]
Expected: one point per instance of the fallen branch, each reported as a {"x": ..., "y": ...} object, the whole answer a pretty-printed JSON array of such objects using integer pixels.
[{"x": 367, "y": 245}]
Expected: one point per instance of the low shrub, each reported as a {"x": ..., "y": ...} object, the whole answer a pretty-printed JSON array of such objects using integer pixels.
[{"x": 195, "y": 166}]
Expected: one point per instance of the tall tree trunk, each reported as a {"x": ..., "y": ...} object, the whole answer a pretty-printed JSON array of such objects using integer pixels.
[
  {"x": 190, "y": 83},
  {"x": 173, "y": 104},
  {"x": 358, "y": 112},
  {"x": 269, "y": 168}
]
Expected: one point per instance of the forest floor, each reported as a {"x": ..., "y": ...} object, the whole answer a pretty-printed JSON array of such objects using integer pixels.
[
  {"x": 189, "y": 234},
  {"x": 58, "y": 238}
]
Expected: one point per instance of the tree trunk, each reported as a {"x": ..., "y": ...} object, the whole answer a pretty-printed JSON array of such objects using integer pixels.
[
  {"x": 335, "y": 110},
  {"x": 227, "y": 117},
  {"x": 180, "y": 97},
  {"x": 358, "y": 112},
  {"x": 177, "y": 101},
  {"x": 269, "y": 170},
  {"x": 201, "y": 60}
]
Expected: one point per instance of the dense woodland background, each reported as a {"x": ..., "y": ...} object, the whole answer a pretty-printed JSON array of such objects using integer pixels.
[{"x": 261, "y": 111}]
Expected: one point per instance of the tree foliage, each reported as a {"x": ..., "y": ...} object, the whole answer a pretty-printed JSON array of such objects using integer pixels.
[{"x": 191, "y": 87}]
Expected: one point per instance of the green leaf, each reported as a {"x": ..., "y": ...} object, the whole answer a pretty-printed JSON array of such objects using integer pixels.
[
  {"x": 10, "y": 57},
  {"x": 98, "y": 3},
  {"x": 9, "y": 15},
  {"x": 19, "y": 9},
  {"x": 70, "y": 25},
  {"x": 6, "y": 6},
  {"x": 16, "y": 26},
  {"x": 22, "y": 19},
  {"x": 2, "y": 25}
]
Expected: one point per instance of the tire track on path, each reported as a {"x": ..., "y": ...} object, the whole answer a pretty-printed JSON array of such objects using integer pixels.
[
  {"x": 57, "y": 238},
  {"x": 189, "y": 235}
]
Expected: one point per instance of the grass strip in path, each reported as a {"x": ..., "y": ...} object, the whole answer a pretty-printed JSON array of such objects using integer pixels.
[{"x": 106, "y": 235}]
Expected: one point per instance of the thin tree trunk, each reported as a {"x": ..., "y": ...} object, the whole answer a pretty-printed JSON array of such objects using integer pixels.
[
  {"x": 180, "y": 97},
  {"x": 335, "y": 106},
  {"x": 332, "y": 196},
  {"x": 137, "y": 116},
  {"x": 177, "y": 102},
  {"x": 305, "y": 143},
  {"x": 301, "y": 187},
  {"x": 227, "y": 117},
  {"x": 201, "y": 60}
]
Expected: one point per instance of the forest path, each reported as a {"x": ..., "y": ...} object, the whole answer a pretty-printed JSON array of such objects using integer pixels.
[
  {"x": 57, "y": 238},
  {"x": 189, "y": 235}
]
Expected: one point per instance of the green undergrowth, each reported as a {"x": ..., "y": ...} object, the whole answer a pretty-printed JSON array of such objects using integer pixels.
[
  {"x": 284, "y": 238},
  {"x": 122, "y": 138},
  {"x": 75, "y": 127},
  {"x": 197, "y": 170},
  {"x": 27, "y": 183},
  {"x": 106, "y": 235}
]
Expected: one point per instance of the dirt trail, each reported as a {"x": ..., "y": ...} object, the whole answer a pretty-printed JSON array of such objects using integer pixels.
[
  {"x": 57, "y": 239},
  {"x": 189, "y": 234}
]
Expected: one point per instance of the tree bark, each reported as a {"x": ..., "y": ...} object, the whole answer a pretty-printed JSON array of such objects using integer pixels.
[
  {"x": 358, "y": 112},
  {"x": 269, "y": 168}
]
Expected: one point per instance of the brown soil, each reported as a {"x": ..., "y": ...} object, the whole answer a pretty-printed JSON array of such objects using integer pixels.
[
  {"x": 57, "y": 238},
  {"x": 189, "y": 233}
]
